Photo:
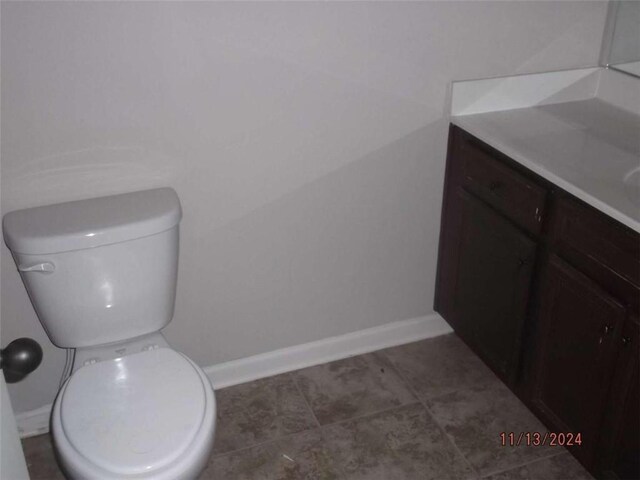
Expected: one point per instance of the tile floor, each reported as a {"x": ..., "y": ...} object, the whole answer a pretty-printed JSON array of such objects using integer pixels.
[{"x": 426, "y": 410}]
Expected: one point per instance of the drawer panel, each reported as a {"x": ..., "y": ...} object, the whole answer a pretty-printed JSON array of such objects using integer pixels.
[
  {"x": 592, "y": 234},
  {"x": 511, "y": 193}
]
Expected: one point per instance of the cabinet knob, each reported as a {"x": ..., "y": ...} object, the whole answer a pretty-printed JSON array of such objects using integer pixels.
[
  {"x": 538, "y": 215},
  {"x": 608, "y": 329},
  {"x": 626, "y": 341},
  {"x": 495, "y": 185}
]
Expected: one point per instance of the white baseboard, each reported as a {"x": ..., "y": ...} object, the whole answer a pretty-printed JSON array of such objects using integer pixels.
[
  {"x": 36, "y": 422},
  {"x": 326, "y": 350}
]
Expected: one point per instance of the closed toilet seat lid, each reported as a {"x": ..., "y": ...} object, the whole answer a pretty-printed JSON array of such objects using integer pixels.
[{"x": 134, "y": 414}]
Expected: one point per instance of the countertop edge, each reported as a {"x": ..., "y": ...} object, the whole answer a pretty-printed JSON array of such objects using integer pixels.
[{"x": 546, "y": 174}]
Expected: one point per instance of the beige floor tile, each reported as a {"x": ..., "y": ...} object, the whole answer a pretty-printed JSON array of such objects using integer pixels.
[
  {"x": 438, "y": 366},
  {"x": 560, "y": 467},
  {"x": 297, "y": 457},
  {"x": 475, "y": 418},
  {"x": 401, "y": 444},
  {"x": 352, "y": 387},
  {"x": 259, "y": 411}
]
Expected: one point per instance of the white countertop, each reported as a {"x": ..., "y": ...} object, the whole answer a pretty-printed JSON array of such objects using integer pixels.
[{"x": 586, "y": 147}]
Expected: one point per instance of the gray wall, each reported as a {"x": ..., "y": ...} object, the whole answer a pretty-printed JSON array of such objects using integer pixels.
[
  {"x": 306, "y": 141},
  {"x": 625, "y": 44}
]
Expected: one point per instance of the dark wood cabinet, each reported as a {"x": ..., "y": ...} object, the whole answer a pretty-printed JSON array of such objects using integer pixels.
[
  {"x": 590, "y": 292},
  {"x": 487, "y": 252},
  {"x": 620, "y": 445},
  {"x": 576, "y": 349},
  {"x": 546, "y": 290},
  {"x": 489, "y": 263}
]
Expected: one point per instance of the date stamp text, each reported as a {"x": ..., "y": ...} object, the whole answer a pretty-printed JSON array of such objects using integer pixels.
[{"x": 540, "y": 439}]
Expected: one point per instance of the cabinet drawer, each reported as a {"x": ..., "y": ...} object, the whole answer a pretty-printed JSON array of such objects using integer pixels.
[
  {"x": 512, "y": 194},
  {"x": 582, "y": 230}
]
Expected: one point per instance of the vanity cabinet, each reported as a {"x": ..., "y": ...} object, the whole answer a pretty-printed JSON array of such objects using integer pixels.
[
  {"x": 586, "y": 333},
  {"x": 546, "y": 290},
  {"x": 486, "y": 260},
  {"x": 578, "y": 334},
  {"x": 620, "y": 455}
]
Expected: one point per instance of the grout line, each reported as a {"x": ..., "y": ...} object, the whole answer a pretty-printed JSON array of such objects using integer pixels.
[
  {"x": 524, "y": 464},
  {"x": 357, "y": 417},
  {"x": 452, "y": 440},
  {"x": 275, "y": 441},
  {"x": 319, "y": 425},
  {"x": 304, "y": 398},
  {"x": 260, "y": 444},
  {"x": 419, "y": 400},
  {"x": 424, "y": 405},
  {"x": 369, "y": 414},
  {"x": 279, "y": 437},
  {"x": 338, "y": 465}
]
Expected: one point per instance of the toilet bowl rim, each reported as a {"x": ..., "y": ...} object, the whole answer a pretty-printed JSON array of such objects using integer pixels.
[{"x": 204, "y": 435}]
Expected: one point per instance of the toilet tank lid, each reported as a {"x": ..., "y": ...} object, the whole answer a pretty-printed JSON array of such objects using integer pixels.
[{"x": 92, "y": 222}]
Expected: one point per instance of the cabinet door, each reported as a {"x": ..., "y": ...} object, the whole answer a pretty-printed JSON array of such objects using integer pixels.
[
  {"x": 575, "y": 354},
  {"x": 621, "y": 443},
  {"x": 486, "y": 266}
]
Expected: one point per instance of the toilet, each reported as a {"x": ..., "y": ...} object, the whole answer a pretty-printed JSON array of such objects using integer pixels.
[{"x": 101, "y": 274}]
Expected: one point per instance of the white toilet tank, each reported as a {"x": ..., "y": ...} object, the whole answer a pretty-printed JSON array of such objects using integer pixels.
[{"x": 100, "y": 270}]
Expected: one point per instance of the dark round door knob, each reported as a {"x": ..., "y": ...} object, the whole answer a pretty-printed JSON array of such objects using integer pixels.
[{"x": 20, "y": 358}]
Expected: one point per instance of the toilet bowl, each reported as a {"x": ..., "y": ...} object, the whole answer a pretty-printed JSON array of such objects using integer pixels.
[
  {"x": 101, "y": 274},
  {"x": 149, "y": 414}
]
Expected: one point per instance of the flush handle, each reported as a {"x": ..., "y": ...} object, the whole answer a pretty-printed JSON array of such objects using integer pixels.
[{"x": 45, "y": 267}]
